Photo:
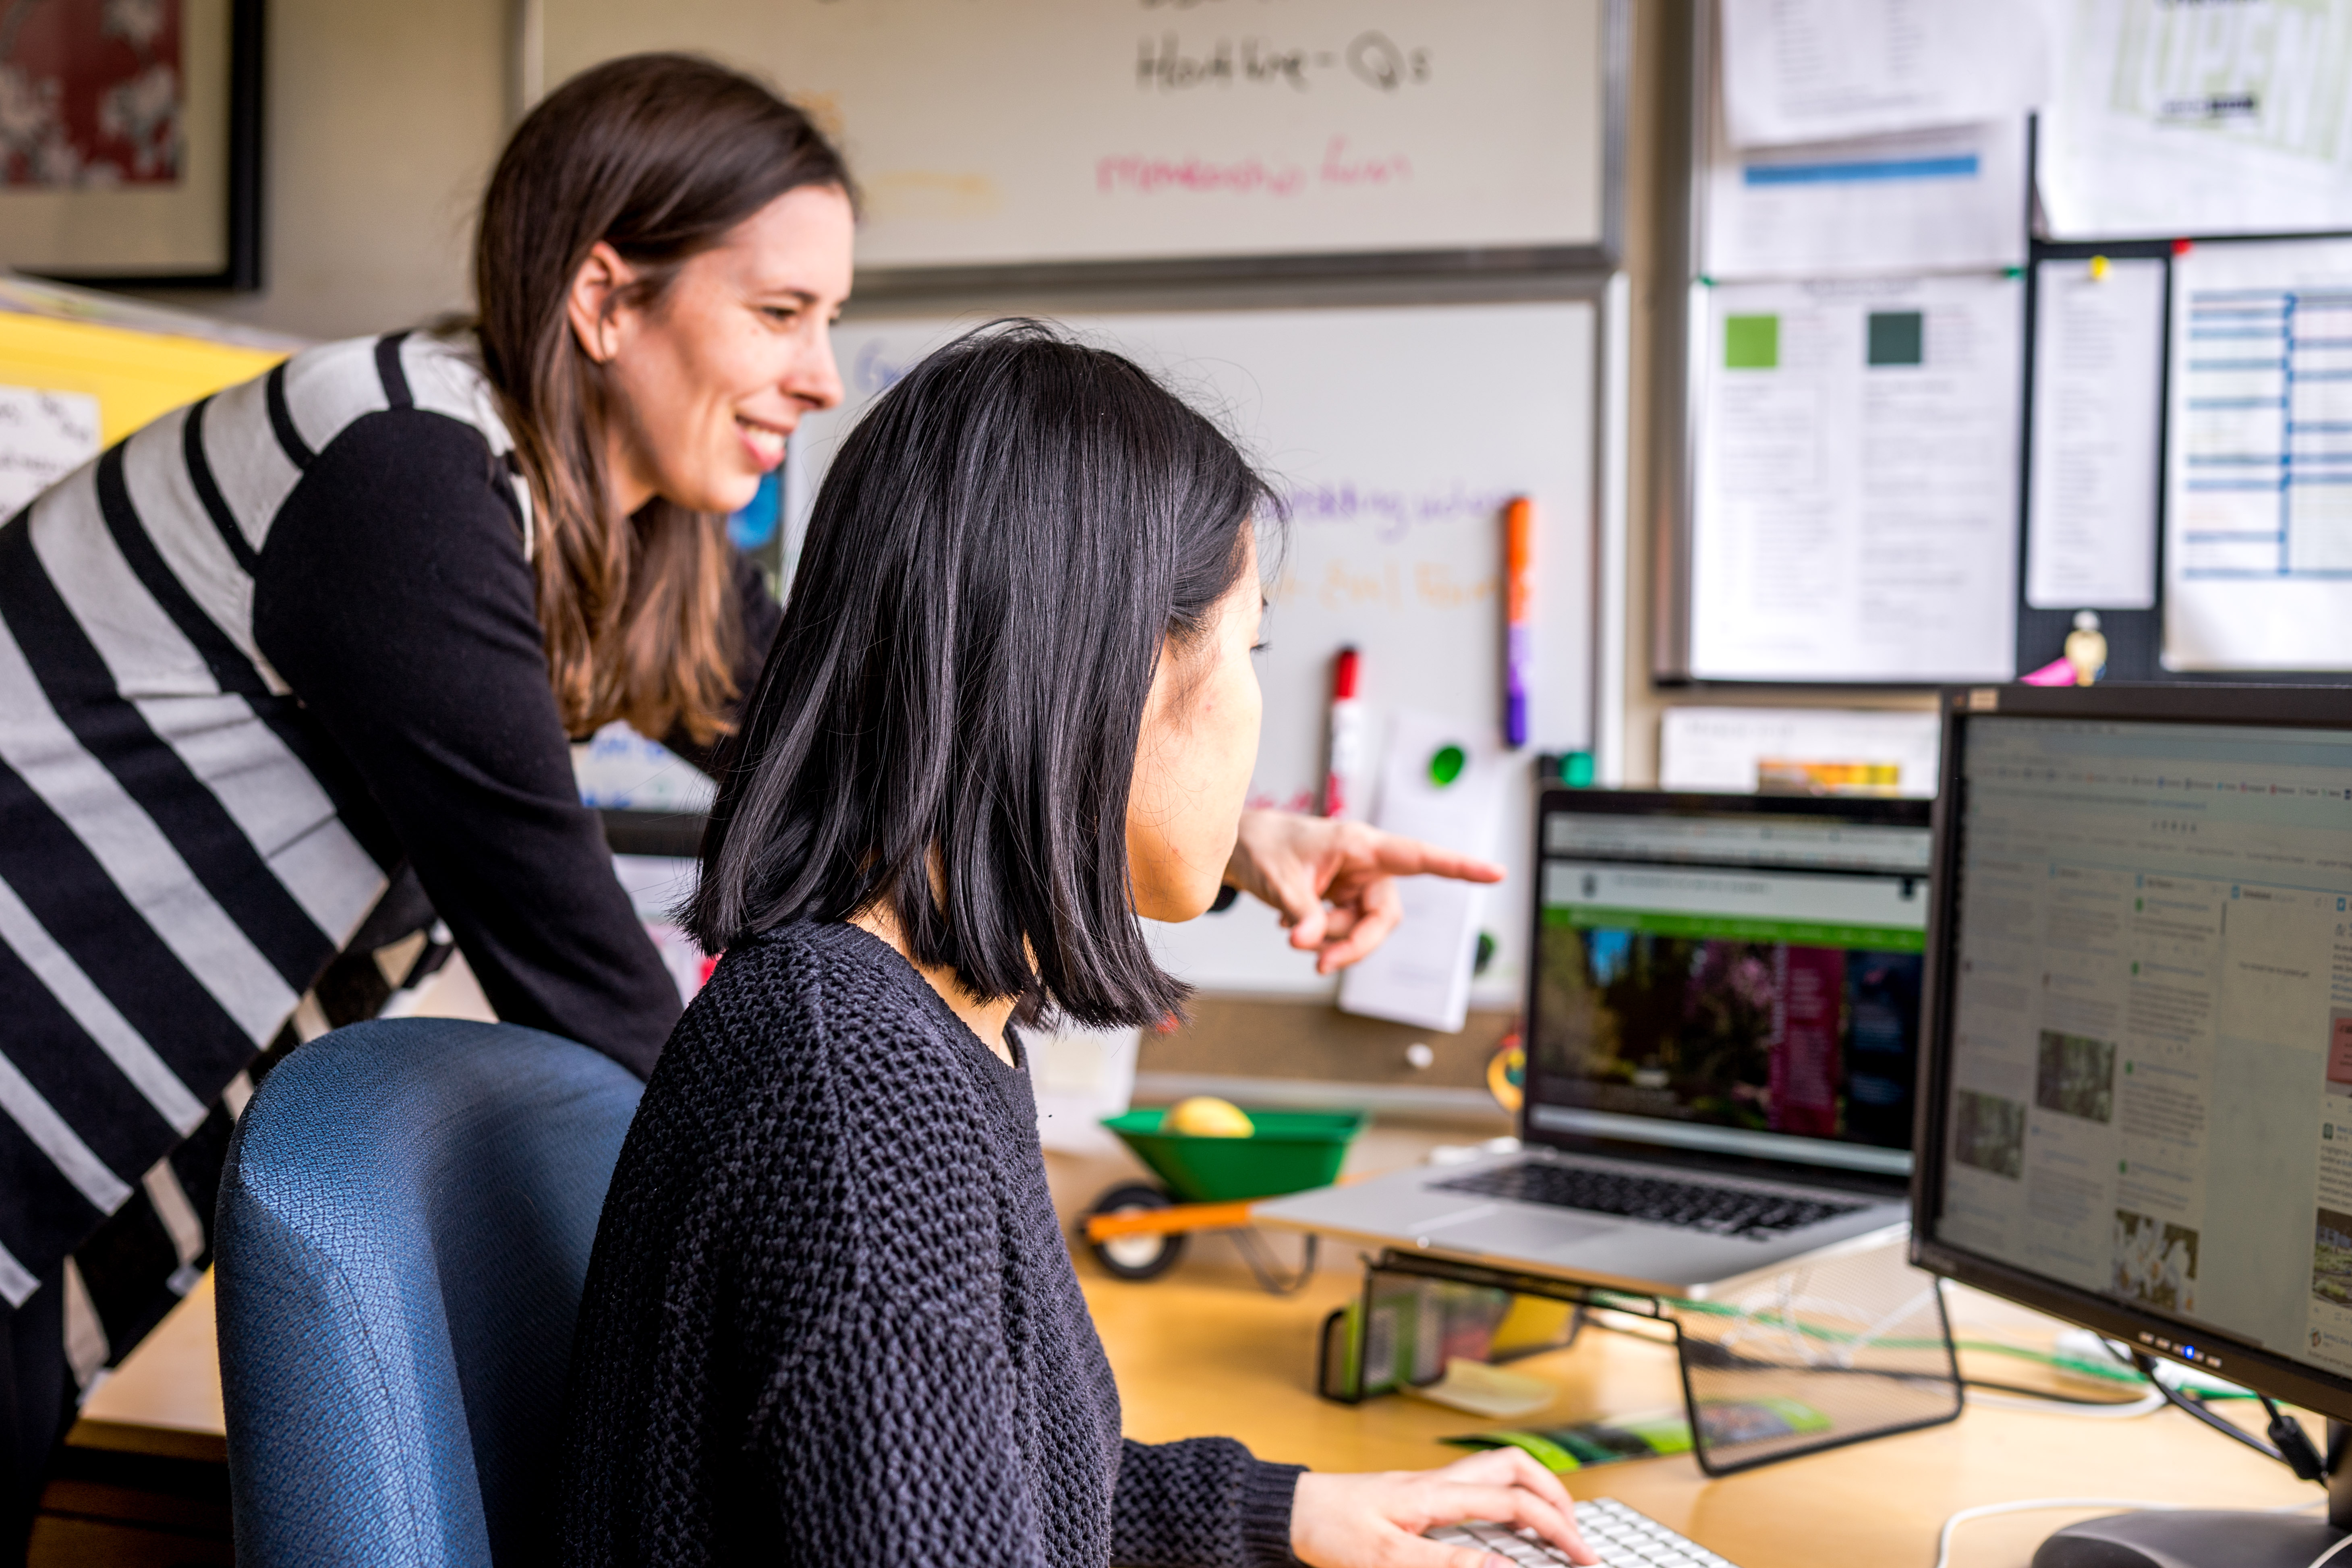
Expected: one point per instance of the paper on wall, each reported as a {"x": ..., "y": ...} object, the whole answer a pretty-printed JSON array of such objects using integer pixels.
[
  {"x": 1442, "y": 780},
  {"x": 2098, "y": 410},
  {"x": 656, "y": 885},
  {"x": 2258, "y": 471},
  {"x": 1723, "y": 750},
  {"x": 1081, "y": 1076},
  {"x": 44, "y": 437},
  {"x": 2171, "y": 119},
  {"x": 1856, "y": 503},
  {"x": 1817, "y": 70},
  {"x": 1951, "y": 200},
  {"x": 619, "y": 770}
]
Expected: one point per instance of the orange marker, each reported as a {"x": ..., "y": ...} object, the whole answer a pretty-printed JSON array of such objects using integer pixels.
[{"x": 1518, "y": 623}]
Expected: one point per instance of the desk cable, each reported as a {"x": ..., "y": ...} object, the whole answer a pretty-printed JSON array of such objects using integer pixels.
[
  {"x": 2289, "y": 1445},
  {"x": 2017, "y": 1397}
]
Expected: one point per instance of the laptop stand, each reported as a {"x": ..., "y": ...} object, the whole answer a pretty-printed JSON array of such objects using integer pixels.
[{"x": 1844, "y": 1346}]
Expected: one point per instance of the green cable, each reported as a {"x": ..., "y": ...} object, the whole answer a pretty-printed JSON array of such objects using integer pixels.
[{"x": 2116, "y": 1373}]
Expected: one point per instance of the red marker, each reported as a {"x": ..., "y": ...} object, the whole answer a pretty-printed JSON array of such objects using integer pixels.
[{"x": 1347, "y": 738}]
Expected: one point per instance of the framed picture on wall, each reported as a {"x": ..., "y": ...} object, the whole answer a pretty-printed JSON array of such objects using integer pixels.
[{"x": 131, "y": 139}]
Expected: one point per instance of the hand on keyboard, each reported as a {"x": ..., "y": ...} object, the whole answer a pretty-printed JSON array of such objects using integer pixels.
[
  {"x": 1624, "y": 1538},
  {"x": 1379, "y": 1521}
]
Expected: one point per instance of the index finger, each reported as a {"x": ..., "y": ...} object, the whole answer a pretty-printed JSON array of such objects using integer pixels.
[{"x": 1411, "y": 858}]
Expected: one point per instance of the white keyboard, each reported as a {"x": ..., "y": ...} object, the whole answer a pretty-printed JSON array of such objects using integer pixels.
[{"x": 1624, "y": 1538}]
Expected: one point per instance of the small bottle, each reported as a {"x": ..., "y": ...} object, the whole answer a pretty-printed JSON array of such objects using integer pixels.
[{"x": 2087, "y": 648}]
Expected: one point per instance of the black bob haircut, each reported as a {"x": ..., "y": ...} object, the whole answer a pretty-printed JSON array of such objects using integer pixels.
[{"x": 996, "y": 557}]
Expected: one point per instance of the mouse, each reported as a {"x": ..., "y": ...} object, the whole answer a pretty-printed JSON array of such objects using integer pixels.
[{"x": 2203, "y": 1538}]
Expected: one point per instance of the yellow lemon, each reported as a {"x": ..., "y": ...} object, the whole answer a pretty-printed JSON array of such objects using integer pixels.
[{"x": 1206, "y": 1116}]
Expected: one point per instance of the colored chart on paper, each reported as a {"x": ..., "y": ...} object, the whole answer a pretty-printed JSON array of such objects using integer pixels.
[
  {"x": 2259, "y": 519},
  {"x": 1855, "y": 515}
]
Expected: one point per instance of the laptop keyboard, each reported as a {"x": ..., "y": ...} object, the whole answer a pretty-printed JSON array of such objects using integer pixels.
[
  {"x": 1695, "y": 1205},
  {"x": 1624, "y": 1538}
]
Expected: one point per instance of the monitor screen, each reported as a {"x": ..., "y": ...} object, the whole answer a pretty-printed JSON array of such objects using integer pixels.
[
  {"x": 1730, "y": 980},
  {"x": 2145, "y": 1092}
]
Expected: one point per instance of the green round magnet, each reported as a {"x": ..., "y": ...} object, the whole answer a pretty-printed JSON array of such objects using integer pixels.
[{"x": 1446, "y": 764}]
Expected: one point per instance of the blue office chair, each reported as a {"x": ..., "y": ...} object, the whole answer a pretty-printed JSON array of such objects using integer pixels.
[{"x": 403, "y": 1238}]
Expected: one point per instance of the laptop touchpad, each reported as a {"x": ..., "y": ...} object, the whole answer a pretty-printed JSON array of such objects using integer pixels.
[{"x": 1516, "y": 1232}]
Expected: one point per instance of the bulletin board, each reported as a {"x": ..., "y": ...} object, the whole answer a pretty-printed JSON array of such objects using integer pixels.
[
  {"x": 2169, "y": 366},
  {"x": 1393, "y": 545},
  {"x": 1179, "y": 136}
]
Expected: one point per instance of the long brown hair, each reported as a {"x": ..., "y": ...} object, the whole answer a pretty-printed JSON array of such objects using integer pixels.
[{"x": 658, "y": 156}]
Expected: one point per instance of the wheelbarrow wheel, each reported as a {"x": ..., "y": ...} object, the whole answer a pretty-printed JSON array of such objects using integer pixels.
[{"x": 1134, "y": 1258}]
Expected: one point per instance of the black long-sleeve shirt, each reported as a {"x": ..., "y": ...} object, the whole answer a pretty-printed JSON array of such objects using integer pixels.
[
  {"x": 830, "y": 1317},
  {"x": 415, "y": 648},
  {"x": 254, "y": 659}
]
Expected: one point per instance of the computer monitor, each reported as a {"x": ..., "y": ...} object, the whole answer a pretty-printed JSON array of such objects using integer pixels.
[
  {"x": 2135, "y": 1106},
  {"x": 1735, "y": 978}
]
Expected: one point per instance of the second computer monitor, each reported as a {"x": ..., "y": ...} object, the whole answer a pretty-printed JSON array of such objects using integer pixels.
[{"x": 2138, "y": 1091}]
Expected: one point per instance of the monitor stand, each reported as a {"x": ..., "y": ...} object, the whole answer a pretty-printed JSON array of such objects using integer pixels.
[{"x": 2213, "y": 1538}]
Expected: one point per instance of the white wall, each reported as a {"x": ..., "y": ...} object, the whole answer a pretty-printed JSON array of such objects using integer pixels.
[{"x": 381, "y": 124}]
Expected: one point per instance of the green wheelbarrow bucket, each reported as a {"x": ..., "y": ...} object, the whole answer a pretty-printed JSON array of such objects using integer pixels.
[{"x": 1291, "y": 1152}]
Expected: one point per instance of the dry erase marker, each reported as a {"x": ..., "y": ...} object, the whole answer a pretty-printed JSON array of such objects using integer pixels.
[
  {"x": 1518, "y": 625},
  {"x": 1347, "y": 737}
]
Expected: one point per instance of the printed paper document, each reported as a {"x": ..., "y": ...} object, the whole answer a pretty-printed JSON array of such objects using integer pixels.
[
  {"x": 1815, "y": 70},
  {"x": 2258, "y": 482},
  {"x": 1441, "y": 784},
  {"x": 44, "y": 437},
  {"x": 2098, "y": 404},
  {"x": 1947, "y": 200},
  {"x": 1856, "y": 515},
  {"x": 2171, "y": 119},
  {"x": 1732, "y": 751}
]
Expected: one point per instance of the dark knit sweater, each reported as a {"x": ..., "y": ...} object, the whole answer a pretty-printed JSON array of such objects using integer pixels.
[{"x": 830, "y": 1318}]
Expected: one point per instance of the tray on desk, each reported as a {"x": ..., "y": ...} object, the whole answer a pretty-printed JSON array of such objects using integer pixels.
[{"x": 1851, "y": 1345}]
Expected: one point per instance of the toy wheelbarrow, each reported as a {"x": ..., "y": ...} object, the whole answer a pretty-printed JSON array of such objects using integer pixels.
[{"x": 1137, "y": 1230}]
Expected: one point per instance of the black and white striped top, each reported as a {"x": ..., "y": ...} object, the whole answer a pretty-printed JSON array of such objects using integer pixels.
[{"x": 253, "y": 660}]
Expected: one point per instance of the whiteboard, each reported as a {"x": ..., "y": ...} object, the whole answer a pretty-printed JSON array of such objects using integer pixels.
[
  {"x": 1397, "y": 435},
  {"x": 986, "y": 132}
]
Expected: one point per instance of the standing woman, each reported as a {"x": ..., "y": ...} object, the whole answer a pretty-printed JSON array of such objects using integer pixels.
[{"x": 291, "y": 676}]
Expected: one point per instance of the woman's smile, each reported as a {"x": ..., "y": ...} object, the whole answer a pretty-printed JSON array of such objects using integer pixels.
[{"x": 765, "y": 442}]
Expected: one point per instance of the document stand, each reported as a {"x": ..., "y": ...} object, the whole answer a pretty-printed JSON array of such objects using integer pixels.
[{"x": 1848, "y": 1345}]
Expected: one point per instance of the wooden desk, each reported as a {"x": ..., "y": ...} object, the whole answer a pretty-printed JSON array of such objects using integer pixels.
[
  {"x": 1204, "y": 1353},
  {"x": 165, "y": 1397},
  {"x": 1200, "y": 1353}
]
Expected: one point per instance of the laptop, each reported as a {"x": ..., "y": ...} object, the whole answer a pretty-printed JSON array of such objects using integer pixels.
[{"x": 1722, "y": 1019}]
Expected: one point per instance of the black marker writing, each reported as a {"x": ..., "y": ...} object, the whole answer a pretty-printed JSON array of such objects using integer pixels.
[{"x": 1375, "y": 58}]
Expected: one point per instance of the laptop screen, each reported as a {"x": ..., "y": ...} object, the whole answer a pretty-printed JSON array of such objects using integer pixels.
[{"x": 1730, "y": 975}]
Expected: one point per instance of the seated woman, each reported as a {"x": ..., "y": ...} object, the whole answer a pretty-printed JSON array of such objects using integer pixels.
[{"x": 830, "y": 1317}]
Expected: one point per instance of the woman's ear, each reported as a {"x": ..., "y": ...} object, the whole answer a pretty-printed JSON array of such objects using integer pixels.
[{"x": 594, "y": 305}]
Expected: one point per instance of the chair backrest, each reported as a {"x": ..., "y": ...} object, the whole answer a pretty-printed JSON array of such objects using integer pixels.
[{"x": 403, "y": 1240}]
